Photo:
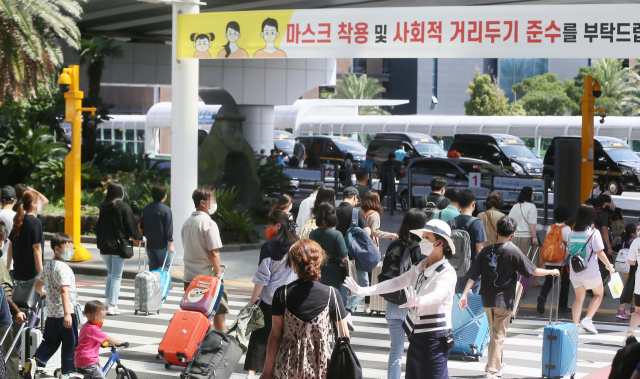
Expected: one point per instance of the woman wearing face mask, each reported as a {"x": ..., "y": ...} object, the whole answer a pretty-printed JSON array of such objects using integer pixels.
[
  {"x": 429, "y": 288},
  {"x": 285, "y": 204},
  {"x": 115, "y": 223},
  {"x": 27, "y": 240},
  {"x": 273, "y": 272}
]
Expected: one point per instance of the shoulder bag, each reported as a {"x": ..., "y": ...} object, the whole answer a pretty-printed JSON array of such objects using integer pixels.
[
  {"x": 344, "y": 363},
  {"x": 124, "y": 248},
  {"x": 577, "y": 262}
]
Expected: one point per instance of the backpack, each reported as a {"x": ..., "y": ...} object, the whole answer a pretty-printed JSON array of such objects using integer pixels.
[
  {"x": 622, "y": 264},
  {"x": 554, "y": 249},
  {"x": 307, "y": 228},
  {"x": 626, "y": 360},
  {"x": 431, "y": 208},
  {"x": 396, "y": 262},
  {"x": 461, "y": 260},
  {"x": 360, "y": 245}
]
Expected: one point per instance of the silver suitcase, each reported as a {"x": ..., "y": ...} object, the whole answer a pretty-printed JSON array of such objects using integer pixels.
[
  {"x": 147, "y": 296},
  {"x": 376, "y": 302}
]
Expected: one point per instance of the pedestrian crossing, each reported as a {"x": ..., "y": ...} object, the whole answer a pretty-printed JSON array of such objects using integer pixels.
[{"x": 522, "y": 349}]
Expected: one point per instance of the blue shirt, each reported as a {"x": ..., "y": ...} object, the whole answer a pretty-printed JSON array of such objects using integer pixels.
[
  {"x": 400, "y": 154},
  {"x": 157, "y": 224},
  {"x": 447, "y": 214},
  {"x": 280, "y": 160}
]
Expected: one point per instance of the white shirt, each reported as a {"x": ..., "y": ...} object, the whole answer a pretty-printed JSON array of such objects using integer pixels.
[
  {"x": 634, "y": 252},
  {"x": 566, "y": 232},
  {"x": 7, "y": 215},
  {"x": 56, "y": 274},
  {"x": 200, "y": 235},
  {"x": 576, "y": 241},
  {"x": 524, "y": 214},
  {"x": 304, "y": 212}
]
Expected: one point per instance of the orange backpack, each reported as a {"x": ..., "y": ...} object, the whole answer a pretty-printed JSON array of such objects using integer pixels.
[{"x": 553, "y": 249}]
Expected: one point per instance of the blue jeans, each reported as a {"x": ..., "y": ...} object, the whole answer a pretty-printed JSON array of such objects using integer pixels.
[
  {"x": 156, "y": 259},
  {"x": 55, "y": 334},
  {"x": 395, "y": 317},
  {"x": 363, "y": 281},
  {"x": 115, "y": 265}
]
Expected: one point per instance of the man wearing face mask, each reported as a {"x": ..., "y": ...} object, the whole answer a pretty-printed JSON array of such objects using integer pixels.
[
  {"x": 156, "y": 223},
  {"x": 201, "y": 244},
  {"x": 61, "y": 327},
  {"x": 497, "y": 267},
  {"x": 429, "y": 289}
]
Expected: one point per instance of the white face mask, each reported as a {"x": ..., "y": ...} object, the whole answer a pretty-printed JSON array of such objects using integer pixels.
[
  {"x": 426, "y": 247},
  {"x": 213, "y": 209}
]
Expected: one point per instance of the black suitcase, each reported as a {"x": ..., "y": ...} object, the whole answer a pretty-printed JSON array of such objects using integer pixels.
[
  {"x": 216, "y": 357},
  {"x": 25, "y": 295}
]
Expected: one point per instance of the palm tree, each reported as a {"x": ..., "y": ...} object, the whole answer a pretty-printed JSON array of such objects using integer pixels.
[
  {"x": 94, "y": 53},
  {"x": 616, "y": 81},
  {"x": 30, "y": 34},
  {"x": 363, "y": 87}
]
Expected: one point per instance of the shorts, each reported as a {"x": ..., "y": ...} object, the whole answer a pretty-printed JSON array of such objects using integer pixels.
[
  {"x": 91, "y": 372},
  {"x": 223, "y": 308},
  {"x": 588, "y": 284}
]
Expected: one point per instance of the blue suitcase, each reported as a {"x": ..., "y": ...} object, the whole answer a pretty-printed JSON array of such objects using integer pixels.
[
  {"x": 559, "y": 347},
  {"x": 470, "y": 327}
]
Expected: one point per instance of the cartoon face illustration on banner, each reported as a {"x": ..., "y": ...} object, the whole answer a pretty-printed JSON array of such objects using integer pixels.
[
  {"x": 270, "y": 33},
  {"x": 231, "y": 49},
  {"x": 202, "y": 43},
  {"x": 195, "y": 295}
]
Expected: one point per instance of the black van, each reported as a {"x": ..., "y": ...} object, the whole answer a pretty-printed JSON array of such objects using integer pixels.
[
  {"x": 417, "y": 145},
  {"x": 332, "y": 149},
  {"x": 503, "y": 150},
  {"x": 612, "y": 158}
]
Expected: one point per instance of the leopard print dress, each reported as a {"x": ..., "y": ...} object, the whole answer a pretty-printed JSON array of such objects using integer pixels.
[{"x": 304, "y": 351}]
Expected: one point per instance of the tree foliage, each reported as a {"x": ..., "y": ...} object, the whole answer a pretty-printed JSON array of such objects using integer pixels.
[
  {"x": 487, "y": 99},
  {"x": 30, "y": 36},
  {"x": 362, "y": 87},
  {"x": 543, "y": 95}
]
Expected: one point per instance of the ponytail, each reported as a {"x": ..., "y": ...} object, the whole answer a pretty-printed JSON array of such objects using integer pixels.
[
  {"x": 18, "y": 219},
  {"x": 27, "y": 205}
]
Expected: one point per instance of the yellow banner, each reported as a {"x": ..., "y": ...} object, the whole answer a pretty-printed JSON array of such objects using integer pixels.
[{"x": 255, "y": 34}]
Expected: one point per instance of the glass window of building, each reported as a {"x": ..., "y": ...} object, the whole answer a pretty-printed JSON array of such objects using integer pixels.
[
  {"x": 359, "y": 66},
  {"x": 514, "y": 70}
]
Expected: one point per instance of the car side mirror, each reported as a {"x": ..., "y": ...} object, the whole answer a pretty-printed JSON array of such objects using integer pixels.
[
  {"x": 496, "y": 154},
  {"x": 602, "y": 159}
]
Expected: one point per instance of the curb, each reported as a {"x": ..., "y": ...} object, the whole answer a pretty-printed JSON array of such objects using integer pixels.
[{"x": 83, "y": 239}]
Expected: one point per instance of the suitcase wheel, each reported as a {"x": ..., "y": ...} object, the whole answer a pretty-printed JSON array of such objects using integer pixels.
[
  {"x": 57, "y": 373},
  {"x": 167, "y": 365},
  {"x": 135, "y": 312},
  {"x": 158, "y": 311},
  {"x": 147, "y": 314}
]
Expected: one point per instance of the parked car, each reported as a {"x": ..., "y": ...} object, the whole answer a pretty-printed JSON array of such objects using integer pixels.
[
  {"x": 284, "y": 142},
  {"x": 612, "y": 158},
  {"x": 417, "y": 145},
  {"x": 332, "y": 149},
  {"x": 456, "y": 171},
  {"x": 503, "y": 150}
]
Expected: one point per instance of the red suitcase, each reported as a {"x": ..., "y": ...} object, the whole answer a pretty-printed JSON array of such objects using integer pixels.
[{"x": 181, "y": 339}]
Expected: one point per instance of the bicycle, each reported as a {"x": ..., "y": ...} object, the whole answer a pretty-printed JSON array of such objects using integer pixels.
[{"x": 121, "y": 371}]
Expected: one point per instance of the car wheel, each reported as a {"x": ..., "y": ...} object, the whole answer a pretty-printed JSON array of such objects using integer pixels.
[
  {"x": 552, "y": 184},
  {"x": 614, "y": 187},
  {"x": 404, "y": 202}
]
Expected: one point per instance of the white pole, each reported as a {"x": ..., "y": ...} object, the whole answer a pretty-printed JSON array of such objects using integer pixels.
[{"x": 184, "y": 129}]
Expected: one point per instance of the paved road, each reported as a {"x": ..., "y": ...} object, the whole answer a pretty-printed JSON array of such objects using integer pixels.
[{"x": 371, "y": 340}]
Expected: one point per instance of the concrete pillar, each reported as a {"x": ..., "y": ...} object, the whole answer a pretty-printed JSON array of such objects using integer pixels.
[
  {"x": 258, "y": 127},
  {"x": 184, "y": 130}
]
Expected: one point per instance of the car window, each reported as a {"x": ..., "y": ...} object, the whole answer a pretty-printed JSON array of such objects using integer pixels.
[
  {"x": 425, "y": 167},
  {"x": 518, "y": 151},
  {"x": 286, "y": 143},
  {"x": 429, "y": 148},
  {"x": 622, "y": 155},
  {"x": 349, "y": 144},
  {"x": 484, "y": 169}
]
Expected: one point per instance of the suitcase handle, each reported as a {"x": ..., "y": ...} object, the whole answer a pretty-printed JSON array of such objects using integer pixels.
[{"x": 223, "y": 268}]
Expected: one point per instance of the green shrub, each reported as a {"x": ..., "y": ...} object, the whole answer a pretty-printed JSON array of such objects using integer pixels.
[
  {"x": 272, "y": 179},
  {"x": 227, "y": 214},
  {"x": 50, "y": 176}
]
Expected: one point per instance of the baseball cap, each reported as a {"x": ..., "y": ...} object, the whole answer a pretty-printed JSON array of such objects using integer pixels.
[
  {"x": 350, "y": 192},
  {"x": 8, "y": 193},
  {"x": 317, "y": 185}
]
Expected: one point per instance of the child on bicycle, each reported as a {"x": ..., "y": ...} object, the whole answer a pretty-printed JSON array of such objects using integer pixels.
[
  {"x": 91, "y": 337},
  {"x": 61, "y": 327}
]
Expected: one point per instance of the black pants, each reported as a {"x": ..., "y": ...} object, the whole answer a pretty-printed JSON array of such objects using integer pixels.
[
  {"x": 257, "y": 350},
  {"x": 565, "y": 285},
  {"x": 367, "y": 299},
  {"x": 627, "y": 292}
]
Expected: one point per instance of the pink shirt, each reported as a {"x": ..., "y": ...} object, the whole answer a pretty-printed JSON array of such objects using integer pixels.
[{"x": 89, "y": 341}]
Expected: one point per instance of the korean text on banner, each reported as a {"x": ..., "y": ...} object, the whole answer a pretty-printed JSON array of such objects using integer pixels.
[{"x": 511, "y": 31}]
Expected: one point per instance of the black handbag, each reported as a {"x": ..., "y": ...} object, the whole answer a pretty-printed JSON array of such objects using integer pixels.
[
  {"x": 25, "y": 295},
  {"x": 125, "y": 248},
  {"x": 577, "y": 262},
  {"x": 344, "y": 363}
]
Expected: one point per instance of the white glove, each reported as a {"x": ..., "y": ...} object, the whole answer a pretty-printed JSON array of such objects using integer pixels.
[
  {"x": 355, "y": 288},
  {"x": 412, "y": 298}
]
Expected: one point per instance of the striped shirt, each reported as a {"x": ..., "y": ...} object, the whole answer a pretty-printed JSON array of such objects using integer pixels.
[{"x": 270, "y": 255}]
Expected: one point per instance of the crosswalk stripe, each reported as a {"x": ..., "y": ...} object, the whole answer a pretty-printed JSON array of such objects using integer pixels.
[{"x": 523, "y": 346}]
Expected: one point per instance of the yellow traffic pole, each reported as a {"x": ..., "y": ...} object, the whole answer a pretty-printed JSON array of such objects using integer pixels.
[
  {"x": 592, "y": 90},
  {"x": 73, "y": 162}
]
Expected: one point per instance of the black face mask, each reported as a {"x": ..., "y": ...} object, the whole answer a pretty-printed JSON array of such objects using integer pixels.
[{"x": 607, "y": 207}]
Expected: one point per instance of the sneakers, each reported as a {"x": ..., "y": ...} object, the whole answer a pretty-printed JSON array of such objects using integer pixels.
[
  {"x": 587, "y": 324},
  {"x": 541, "y": 302},
  {"x": 111, "y": 310},
  {"x": 349, "y": 322},
  {"x": 622, "y": 315},
  {"x": 628, "y": 334},
  {"x": 367, "y": 308},
  {"x": 116, "y": 309},
  {"x": 581, "y": 330},
  {"x": 488, "y": 375},
  {"x": 29, "y": 371},
  {"x": 499, "y": 373},
  {"x": 632, "y": 310}
]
